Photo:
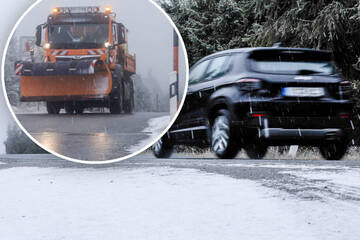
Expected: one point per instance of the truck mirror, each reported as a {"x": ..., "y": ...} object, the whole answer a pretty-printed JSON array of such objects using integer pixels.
[
  {"x": 121, "y": 34},
  {"x": 38, "y": 36}
]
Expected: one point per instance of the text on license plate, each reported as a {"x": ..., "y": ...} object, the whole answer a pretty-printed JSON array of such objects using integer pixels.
[{"x": 303, "y": 92}]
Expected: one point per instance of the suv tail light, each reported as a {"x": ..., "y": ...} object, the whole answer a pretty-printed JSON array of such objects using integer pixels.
[
  {"x": 250, "y": 84},
  {"x": 254, "y": 86},
  {"x": 345, "y": 115},
  {"x": 345, "y": 89},
  {"x": 257, "y": 115},
  {"x": 249, "y": 80}
]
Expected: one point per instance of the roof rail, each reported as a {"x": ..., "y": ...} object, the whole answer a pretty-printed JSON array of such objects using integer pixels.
[{"x": 275, "y": 45}]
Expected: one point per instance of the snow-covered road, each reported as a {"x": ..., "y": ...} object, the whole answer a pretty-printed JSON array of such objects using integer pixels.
[
  {"x": 158, "y": 202},
  {"x": 154, "y": 129},
  {"x": 94, "y": 136}
]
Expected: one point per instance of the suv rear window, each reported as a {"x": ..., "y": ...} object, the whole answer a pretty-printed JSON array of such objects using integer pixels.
[
  {"x": 292, "y": 62},
  {"x": 197, "y": 72},
  {"x": 218, "y": 67}
]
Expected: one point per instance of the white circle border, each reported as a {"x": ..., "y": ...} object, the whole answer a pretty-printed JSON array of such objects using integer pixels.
[{"x": 89, "y": 161}]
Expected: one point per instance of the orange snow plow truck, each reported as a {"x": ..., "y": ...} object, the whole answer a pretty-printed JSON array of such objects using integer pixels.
[{"x": 86, "y": 63}]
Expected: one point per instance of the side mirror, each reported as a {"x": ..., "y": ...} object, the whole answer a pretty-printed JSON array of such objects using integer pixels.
[
  {"x": 121, "y": 34},
  {"x": 38, "y": 35}
]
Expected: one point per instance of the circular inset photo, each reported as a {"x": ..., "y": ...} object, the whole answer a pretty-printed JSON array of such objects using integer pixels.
[{"x": 94, "y": 81}]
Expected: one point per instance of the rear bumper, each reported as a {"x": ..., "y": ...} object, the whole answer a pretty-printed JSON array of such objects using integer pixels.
[
  {"x": 283, "y": 108},
  {"x": 329, "y": 134},
  {"x": 295, "y": 130}
]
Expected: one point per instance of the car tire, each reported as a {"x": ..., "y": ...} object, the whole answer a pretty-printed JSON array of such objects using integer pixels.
[
  {"x": 223, "y": 141},
  {"x": 333, "y": 150},
  {"x": 256, "y": 151},
  {"x": 162, "y": 148}
]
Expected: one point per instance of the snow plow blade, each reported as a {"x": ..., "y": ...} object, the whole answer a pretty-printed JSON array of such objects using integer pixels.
[{"x": 64, "y": 80}]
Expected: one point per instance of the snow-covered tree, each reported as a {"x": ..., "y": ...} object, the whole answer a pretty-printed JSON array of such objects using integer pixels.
[
  {"x": 208, "y": 26},
  {"x": 18, "y": 143},
  {"x": 11, "y": 80}
]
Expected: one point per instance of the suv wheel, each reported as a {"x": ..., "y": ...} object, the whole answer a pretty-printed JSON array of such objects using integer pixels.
[
  {"x": 162, "y": 148},
  {"x": 333, "y": 150},
  {"x": 223, "y": 141},
  {"x": 256, "y": 151}
]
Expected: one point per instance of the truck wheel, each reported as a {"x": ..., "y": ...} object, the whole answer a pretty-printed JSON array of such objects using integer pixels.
[
  {"x": 115, "y": 105},
  {"x": 79, "y": 110},
  {"x": 256, "y": 151},
  {"x": 162, "y": 148},
  {"x": 223, "y": 141},
  {"x": 128, "y": 96},
  {"x": 69, "y": 108},
  {"x": 334, "y": 150},
  {"x": 52, "y": 108},
  {"x": 116, "y": 100}
]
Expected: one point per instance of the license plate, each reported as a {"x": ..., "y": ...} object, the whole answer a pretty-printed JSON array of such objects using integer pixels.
[{"x": 303, "y": 92}]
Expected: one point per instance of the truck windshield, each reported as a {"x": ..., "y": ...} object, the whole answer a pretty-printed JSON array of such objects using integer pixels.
[
  {"x": 78, "y": 36},
  {"x": 292, "y": 62}
]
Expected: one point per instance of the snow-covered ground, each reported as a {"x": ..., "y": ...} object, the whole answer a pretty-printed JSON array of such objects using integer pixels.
[
  {"x": 350, "y": 178},
  {"x": 155, "y": 127},
  {"x": 24, "y": 108},
  {"x": 161, "y": 203}
]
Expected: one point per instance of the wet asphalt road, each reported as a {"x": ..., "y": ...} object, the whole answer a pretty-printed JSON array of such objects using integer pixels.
[
  {"x": 90, "y": 136},
  {"x": 290, "y": 176}
]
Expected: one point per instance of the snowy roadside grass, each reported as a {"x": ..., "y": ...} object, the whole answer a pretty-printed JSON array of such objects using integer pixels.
[
  {"x": 340, "y": 176},
  {"x": 337, "y": 182},
  {"x": 155, "y": 127},
  {"x": 273, "y": 153},
  {"x": 24, "y": 108},
  {"x": 31, "y": 107},
  {"x": 160, "y": 203}
]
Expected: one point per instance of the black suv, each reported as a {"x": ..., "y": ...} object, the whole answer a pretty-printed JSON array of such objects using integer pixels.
[{"x": 252, "y": 98}]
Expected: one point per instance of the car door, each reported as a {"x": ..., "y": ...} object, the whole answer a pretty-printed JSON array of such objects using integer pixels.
[
  {"x": 209, "y": 83},
  {"x": 182, "y": 129},
  {"x": 194, "y": 119}
]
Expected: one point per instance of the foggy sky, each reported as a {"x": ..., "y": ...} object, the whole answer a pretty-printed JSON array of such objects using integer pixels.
[
  {"x": 150, "y": 37},
  {"x": 8, "y": 18}
]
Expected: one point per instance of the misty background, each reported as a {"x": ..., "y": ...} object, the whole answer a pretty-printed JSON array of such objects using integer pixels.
[
  {"x": 8, "y": 19},
  {"x": 150, "y": 38}
]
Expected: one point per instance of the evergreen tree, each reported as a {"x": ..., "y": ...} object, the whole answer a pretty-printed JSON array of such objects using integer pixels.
[
  {"x": 11, "y": 79},
  {"x": 208, "y": 26},
  {"x": 18, "y": 143}
]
